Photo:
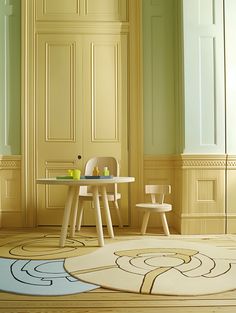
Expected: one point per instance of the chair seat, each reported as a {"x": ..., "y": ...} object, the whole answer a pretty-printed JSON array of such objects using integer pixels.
[{"x": 155, "y": 207}]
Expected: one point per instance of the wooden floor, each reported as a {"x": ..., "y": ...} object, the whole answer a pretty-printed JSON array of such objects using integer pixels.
[{"x": 102, "y": 300}]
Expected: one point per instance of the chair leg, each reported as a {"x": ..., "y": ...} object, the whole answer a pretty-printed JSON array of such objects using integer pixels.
[
  {"x": 80, "y": 214},
  {"x": 145, "y": 222},
  {"x": 165, "y": 224},
  {"x": 118, "y": 214}
]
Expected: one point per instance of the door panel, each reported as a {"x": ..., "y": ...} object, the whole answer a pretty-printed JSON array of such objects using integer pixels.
[
  {"x": 106, "y": 94},
  {"x": 58, "y": 118},
  {"x": 106, "y": 107},
  {"x": 81, "y": 103}
]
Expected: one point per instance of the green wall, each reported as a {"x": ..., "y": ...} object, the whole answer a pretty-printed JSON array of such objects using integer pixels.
[
  {"x": 189, "y": 68},
  {"x": 10, "y": 74},
  {"x": 160, "y": 105}
]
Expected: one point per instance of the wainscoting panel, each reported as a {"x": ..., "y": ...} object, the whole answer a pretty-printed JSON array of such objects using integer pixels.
[
  {"x": 203, "y": 194},
  {"x": 199, "y": 192},
  {"x": 11, "y": 213}
]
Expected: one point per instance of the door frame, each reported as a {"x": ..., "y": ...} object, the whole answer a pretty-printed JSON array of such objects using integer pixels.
[{"x": 135, "y": 118}]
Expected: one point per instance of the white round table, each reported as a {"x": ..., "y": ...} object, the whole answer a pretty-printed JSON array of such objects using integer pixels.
[{"x": 72, "y": 202}]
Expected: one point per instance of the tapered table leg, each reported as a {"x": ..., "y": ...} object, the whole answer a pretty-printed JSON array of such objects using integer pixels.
[
  {"x": 107, "y": 212},
  {"x": 74, "y": 212},
  {"x": 98, "y": 216},
  {"x": 69, "y": 200}
]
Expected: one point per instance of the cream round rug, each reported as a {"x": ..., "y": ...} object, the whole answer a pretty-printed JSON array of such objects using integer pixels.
[
  {"x": 44, "y": 247},
  {"x": 157, "y": 266}
]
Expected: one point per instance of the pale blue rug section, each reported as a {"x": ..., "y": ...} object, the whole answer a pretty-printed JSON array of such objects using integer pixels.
[{"x": 39, "y": 277}]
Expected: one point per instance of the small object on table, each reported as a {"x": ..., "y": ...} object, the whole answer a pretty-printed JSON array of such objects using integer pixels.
[
  {"x": 96, "y": 171},
  {"x": 106, "y": 171},
  {"x": 73, "y": 174},
  {"x": 70, "y": 173},
  {"x": 76, "y": 174}
]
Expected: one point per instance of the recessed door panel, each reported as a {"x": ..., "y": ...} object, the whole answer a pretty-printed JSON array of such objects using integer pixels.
[{"x": 59, "y": 118}]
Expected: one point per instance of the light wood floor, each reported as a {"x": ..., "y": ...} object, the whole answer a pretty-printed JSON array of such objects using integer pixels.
[{"x": 103, "y": 300}]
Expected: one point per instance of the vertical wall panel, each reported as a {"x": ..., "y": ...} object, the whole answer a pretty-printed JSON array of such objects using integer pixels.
[
  {"x": 207, "y": 91},
  {"x": 10, "y": 74},
  {"x": 230, "y": 62},
  {"x": 204, "y": 94},
  {"x": 206, "y": 12},
  {"x": 104, "y": 92},
  {"x": 60, "y": 102}
]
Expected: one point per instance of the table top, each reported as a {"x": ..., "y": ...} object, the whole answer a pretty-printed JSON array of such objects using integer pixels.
[{"x": 85, "y": 182}]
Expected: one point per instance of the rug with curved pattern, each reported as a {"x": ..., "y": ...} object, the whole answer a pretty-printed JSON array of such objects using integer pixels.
[
  {"x": 151, "y": 266},
  {"x": 44, "y": 246},
  {"x": 34, "y": 264},
  {"x": 38, "y": 277}
]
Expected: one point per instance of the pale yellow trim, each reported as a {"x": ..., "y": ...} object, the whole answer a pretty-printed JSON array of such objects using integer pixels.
[
  {"x": 136, "y": 109},
  {"x": 28, "y": 112}
]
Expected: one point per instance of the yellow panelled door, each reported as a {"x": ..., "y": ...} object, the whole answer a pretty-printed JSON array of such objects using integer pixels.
[{"x": 81, "y": 109}]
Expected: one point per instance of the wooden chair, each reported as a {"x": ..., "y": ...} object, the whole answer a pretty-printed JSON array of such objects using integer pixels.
[
  {"x": 157, "y": 205},
  {"x": 85, "y": 193}
]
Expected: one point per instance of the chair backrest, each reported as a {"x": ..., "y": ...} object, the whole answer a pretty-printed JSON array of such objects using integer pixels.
[
  {"x": 157, "y": 192},
  {"x": 101, "y": 162}
]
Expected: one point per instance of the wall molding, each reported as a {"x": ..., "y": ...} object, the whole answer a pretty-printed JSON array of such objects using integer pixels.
[
  {"x": 189, "y": 161},
  {"x": 231, "y": 162},
  {"x": 201, "y": 161},
  {"x": 10, "y": 162}
]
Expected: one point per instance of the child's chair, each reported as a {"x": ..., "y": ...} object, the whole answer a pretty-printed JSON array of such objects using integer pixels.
[
  {"x": 113, "y": 195},
  {"x": 157, "y": 205}
]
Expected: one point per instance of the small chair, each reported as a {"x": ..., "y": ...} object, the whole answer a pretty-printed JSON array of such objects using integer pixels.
[
  {"x": 157, "y": 205},
  {"x": 85, "y": 193}
]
